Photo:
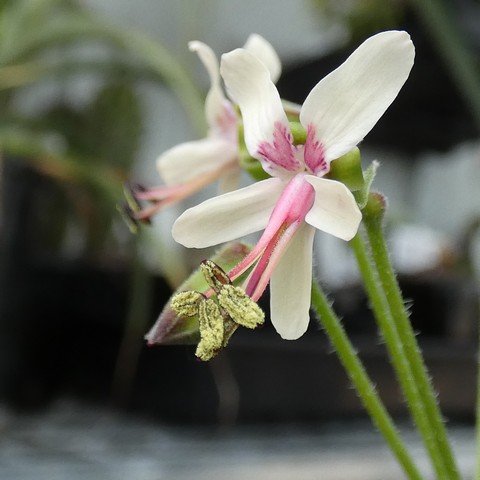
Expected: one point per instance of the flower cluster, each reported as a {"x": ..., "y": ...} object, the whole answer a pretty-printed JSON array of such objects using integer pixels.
[{"x": 297, "y": 199}]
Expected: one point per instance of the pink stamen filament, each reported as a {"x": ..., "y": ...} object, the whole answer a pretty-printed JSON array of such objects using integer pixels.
[
  {"x": 263, "y": 271},
  {"x": 287, "y": 216},
  {"x": 168, "y": 195}
]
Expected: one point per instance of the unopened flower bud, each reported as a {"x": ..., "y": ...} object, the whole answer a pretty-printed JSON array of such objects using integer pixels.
[
  {"x": 375, "y": 207},
  {"x": 348, "y": 170}
]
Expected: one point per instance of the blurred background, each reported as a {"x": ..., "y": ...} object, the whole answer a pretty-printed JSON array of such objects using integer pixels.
[{"x": 91, "y": 92}]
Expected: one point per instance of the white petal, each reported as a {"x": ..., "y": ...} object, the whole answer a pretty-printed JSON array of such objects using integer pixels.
[
  {"x": 186, "y": 161},
  {"x": 216, "y": 103},
  {"x": 345, "y": 105},
  {"x": 266, "y": 128},
  {"x": 228, "y": 216},
  {"x": 264, "y": 51},
  {"x": 290, "y": 286},
  {"x": 230, "y": 180},
  {"x": 335, "y": 210}
]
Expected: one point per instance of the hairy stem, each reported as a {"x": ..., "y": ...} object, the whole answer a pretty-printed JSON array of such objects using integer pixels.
[
  {"x": 361, "y": 381},
  {"x": 398, "y": 357},
  {"x": 400, "y": 317}
]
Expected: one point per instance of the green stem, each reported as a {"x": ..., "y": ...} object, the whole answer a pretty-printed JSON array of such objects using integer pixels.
[
  {"x": 360, "y": 379},
  {"x": 397, "y": 354},
  {"x": 391, "y": 289}
]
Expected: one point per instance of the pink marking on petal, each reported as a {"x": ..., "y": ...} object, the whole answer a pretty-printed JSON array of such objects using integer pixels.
[
  {"x": 226, "y": 122},
  {"x": 280, "y": 152},
  {"x": 314, "y": 153}
]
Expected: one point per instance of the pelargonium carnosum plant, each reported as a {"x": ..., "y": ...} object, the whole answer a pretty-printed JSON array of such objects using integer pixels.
[{"x": 308, "y": 175}]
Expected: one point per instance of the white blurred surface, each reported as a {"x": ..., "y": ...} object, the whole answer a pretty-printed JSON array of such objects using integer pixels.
[{"x": 79, "y": 443}]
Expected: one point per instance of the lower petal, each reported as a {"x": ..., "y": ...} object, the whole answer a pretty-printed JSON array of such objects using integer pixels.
[
  {"x": 229, "y": 216},
  {"x": 335, "y": 210},
  {"x": 186, "y": 161},
  {"x": 290, "y": 286}
]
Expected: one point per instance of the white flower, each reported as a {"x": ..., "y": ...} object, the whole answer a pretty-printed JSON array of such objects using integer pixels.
[
  {"x": 190, "y": 166},
  {"x": 337, "y": 114}
]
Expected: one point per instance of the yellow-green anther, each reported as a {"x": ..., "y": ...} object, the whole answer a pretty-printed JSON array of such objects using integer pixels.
[
  {"x": 211, "y": 329},
  {"x": 240, "y": 307},
  {"x": 185, "y": 304},
  {"x": 214, "y": 275}
]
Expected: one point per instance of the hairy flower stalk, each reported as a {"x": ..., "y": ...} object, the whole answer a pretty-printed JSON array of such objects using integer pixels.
[
  {"x": 189, "y": 167},
  {"x": 337, "y": 114}
]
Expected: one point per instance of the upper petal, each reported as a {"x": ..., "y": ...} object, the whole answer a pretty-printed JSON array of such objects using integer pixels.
[
  {"x": 228, "y": 216},
  {"x": 264, "y": 51},
  {"x": 187, "y": 160},
  {"x": 344, "y": 106},
  {"x": 290, "y": 286},
  {"x": 266, "y": 129},
  {"x": 218, "y": 110},
  {"x": 335, "y": 210}
]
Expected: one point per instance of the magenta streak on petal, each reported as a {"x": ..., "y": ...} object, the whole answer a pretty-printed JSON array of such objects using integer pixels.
[
  {"x": 314, "y": 153},
  {"x": 280, "y": 152}
]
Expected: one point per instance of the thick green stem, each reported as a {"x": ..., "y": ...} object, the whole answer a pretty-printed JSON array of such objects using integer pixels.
[
  {"x": 397, "y": 354},
  {"x": 361, "y": 381},
  {"x": 391, "y": 289}
]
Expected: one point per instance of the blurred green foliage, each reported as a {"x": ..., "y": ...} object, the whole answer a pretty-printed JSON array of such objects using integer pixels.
[{"x": 86, "y": 152}]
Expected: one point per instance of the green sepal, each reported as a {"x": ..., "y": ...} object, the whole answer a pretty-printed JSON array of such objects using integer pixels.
[
  {"x": 299, "y": 134},
  {"x": 252, "y": 166},
  {"x": 361, "y": 196},
  {"x": 348, "y": 170},
  {"x": 171, "y": 329}
]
